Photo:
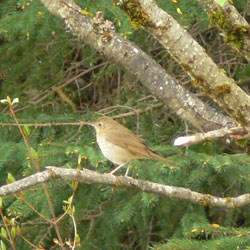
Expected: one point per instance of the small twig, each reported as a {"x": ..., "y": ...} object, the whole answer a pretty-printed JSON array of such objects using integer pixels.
[
  {"x": 111, "y": 108},
  {"x": 48, "y": 124},
  {"x": 28, "y": 242},
  {"x": 149, "y": 233},
  {"x": 75, "y": 231},
  {"x": 84, "y": 73},
  {"x": 26, "y": 224},
  {"x": 138, "y": 111},
  {"x": 145, "y": 98},
  {"x": 37, "y": 167},
  {"x": 86, "y": 86},
  {"x": 22, "y": 198},
  {"x": 91, "y": 226},
  {"x": 10, "y": 238},
  {"x": 45, "y": 235}
]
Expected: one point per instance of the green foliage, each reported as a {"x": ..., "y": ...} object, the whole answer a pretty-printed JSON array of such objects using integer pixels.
[
  {"x": 108, "y": 217},
  {"x": 221, "y": 2},
  {"x": 186, "y": 12}
]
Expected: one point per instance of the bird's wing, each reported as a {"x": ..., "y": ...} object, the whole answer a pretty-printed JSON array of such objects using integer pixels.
[{"x": 133, "y": 143}]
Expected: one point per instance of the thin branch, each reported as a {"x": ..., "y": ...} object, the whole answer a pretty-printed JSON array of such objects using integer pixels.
[
  {"x": 37, "y": 167},
  {"x": 29, "y": 242},
  {"x": 139, "y": 111},
  {"x": 236, "y": 132},
  {"x": 48, "y": 124},
  {"x": 23, "y": 199},
  {"x": 91, "y": 177},
  {"x": 10, "y": 238},
  {"x": 81, "y": 123}
]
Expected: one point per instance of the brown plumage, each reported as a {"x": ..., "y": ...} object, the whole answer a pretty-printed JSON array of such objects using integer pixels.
[{"x": 119, "y": 144}]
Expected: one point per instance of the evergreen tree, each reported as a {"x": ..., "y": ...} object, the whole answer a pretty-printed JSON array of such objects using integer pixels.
[{"x": 59, "y": 79}]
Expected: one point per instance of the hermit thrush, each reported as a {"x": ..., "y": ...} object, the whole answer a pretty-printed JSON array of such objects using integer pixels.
[{"x": 119, "y": 144}]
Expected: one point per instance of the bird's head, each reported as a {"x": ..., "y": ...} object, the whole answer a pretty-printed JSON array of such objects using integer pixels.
[{"x": 102, "y": 123}]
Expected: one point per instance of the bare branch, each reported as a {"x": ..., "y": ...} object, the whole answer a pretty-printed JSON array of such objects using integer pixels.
[
  {"x": 91, "y": 177},
  {"x": 237, "y": 132}
]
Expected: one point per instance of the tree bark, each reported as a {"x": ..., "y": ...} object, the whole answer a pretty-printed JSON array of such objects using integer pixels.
[
  {"x": 234, "y": 27},
  {"x": 237, "y": 132},
  {"x": 101, "y": 36},
  {"x": 191, "y": 56},
  {"x": 92, "y": 177}
]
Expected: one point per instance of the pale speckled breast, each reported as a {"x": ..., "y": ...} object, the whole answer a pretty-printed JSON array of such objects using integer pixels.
[{"x": 114, "y": 153}]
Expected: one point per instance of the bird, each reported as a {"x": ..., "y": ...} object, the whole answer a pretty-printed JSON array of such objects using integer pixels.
[{"x": 119, "y": 144}]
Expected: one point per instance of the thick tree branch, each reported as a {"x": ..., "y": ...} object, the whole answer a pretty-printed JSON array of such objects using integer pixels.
[
  {"x": 100, "y": 34},
  {"x": 233, "y": 26},
  {"x": 237, "y": 132},
  {"x": 191, "y": 56},
  {"x": 91, "y": 177}
]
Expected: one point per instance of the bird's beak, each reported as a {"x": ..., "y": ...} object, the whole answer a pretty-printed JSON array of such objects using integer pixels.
[{"x": 90, "y": 124}]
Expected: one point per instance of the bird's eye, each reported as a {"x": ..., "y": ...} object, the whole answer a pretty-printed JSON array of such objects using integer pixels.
[{"x": 100, "y": 124}]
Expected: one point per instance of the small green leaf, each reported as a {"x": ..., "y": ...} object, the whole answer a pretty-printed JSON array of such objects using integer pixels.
[
  {"x": 70, "y": 199},
  {"x": 2, "y": 245},
  {"x": 221, "y": 2},
  {"x": 3, "y": 232},
  {"x": 12, "y": 221},
  {"x": 77, "y": 239},
  {"x": 10, "y": 178},
  {"x": 26, "y": 130},
  {"x": 34, "y": 154},
  {"x": 13, "y": 232},
  {"x": 9, "y": 100},
  {"x": 71, "y": 211},
  {"x": 79, "y": 160}
]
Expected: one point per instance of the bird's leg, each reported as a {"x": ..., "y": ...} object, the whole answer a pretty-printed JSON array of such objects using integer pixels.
[
  {"x": 117, "y": 168},
  {"x": 126, "y": 174}
]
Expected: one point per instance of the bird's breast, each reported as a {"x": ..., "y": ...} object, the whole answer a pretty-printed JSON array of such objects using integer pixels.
[{"x": 113, "y": 152}]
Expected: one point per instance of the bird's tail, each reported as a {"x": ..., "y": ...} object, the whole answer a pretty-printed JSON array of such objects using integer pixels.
[{"x": 157, "y": 157}]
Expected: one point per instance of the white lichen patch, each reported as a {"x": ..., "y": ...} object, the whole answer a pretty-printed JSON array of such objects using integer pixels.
[{"x": 136, "y": 50}]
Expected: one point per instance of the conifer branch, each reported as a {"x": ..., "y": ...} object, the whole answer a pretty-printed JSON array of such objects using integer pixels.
[{"x": 91, "y": 177}]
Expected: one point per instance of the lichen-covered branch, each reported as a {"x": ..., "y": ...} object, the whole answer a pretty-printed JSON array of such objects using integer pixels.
[
  {"x": 235, "y": 29},
  {"x": 191, "y": 56},
  {"x": 100, "y": 34},
  {"x": 92, "y": 177}
]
